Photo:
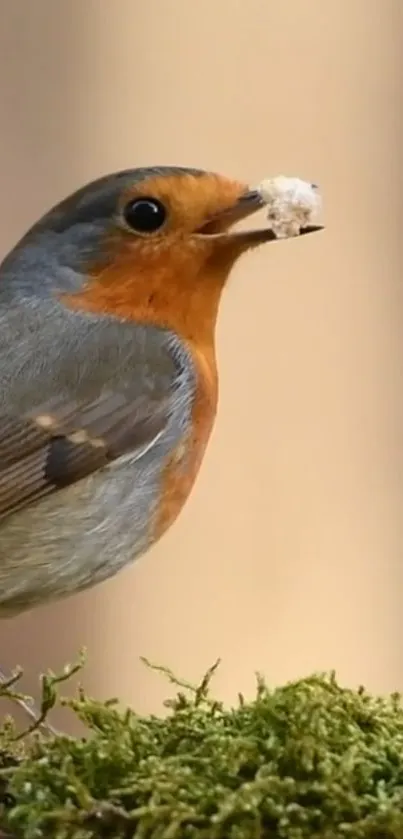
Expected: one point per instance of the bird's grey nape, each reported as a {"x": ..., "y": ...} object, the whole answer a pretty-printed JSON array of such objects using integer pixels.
[{"x": 56, "y": 251}]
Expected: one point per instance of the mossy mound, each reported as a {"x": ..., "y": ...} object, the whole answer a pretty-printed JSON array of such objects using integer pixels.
[{"x": 311, "y": 759}]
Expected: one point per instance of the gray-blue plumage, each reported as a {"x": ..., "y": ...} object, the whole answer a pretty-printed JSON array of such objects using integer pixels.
[{"x": 50, "y": 355}]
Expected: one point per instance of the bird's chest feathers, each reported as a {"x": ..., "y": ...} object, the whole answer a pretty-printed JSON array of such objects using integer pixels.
[{"x": 183, "y": 464}]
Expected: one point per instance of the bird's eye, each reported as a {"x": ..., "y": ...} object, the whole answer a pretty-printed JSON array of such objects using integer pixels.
[{"x": 145, "y": 215}]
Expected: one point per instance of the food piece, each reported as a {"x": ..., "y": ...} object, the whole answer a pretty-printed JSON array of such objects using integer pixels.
[{"x": 291, "y": 204}]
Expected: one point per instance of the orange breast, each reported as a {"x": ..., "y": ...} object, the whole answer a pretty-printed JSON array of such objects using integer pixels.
[{"x": 182, "y": 467}]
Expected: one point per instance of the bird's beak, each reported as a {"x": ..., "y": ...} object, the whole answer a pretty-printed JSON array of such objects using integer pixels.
[{"x": 220, "y": 225}]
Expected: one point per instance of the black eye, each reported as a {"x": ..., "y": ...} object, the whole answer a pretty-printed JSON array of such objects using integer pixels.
[{"x": 145, "y": 215}]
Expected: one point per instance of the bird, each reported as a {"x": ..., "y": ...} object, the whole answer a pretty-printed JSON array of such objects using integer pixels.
[{"x": 108, "y": 371}]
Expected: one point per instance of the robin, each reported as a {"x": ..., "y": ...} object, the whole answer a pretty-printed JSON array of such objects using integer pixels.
[{"x": 108, "y": 373}]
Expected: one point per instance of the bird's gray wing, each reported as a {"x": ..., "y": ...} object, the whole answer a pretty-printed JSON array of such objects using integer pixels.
[{"x": 61, "y": 442}]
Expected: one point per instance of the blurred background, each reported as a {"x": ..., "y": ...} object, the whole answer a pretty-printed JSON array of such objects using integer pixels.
[{"x": 288, "y": 556}]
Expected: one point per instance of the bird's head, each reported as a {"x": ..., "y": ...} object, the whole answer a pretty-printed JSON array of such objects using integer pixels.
[{"x": 150, "y": 245}]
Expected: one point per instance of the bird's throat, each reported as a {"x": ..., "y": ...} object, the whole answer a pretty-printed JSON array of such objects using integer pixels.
[{"x": 181, "y": 302}]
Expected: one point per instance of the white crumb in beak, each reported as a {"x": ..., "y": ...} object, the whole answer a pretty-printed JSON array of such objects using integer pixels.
[{"x": 291, "y": 204}]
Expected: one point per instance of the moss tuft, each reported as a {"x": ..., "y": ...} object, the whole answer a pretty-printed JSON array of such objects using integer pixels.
[{"x": 311, "y": 759}]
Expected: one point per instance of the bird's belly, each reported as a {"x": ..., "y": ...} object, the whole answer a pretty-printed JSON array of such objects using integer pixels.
[
  {"x": 78, "y": 536},
  {"x": 87, "y": 532}
]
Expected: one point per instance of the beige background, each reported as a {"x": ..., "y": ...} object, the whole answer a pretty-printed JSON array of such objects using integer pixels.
[{"x": 288, "y": 557}]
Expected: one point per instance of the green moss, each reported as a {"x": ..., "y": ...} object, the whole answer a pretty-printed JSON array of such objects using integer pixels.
[{"x": 310, "y": 759}]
